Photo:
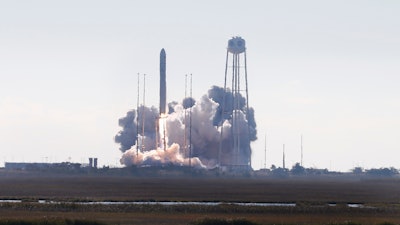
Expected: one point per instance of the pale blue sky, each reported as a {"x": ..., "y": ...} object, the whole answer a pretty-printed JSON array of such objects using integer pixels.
[{"x": 326, "y": 69}]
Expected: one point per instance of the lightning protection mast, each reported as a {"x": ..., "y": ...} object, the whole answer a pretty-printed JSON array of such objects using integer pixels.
[
  {"x": 234, "y": 109},
  {"x": 143, "y": 110},
  {"x": 137, "y": 115}
]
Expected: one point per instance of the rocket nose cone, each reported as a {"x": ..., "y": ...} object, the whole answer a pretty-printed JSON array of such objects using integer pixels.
[{"x": 162, "y": 52}]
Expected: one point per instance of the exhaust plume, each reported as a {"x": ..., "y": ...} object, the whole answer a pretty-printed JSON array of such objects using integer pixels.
[{"x": 207, "y": 121}]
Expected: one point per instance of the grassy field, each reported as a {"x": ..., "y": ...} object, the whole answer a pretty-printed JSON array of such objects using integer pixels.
[{"x": 311, "y": 195}]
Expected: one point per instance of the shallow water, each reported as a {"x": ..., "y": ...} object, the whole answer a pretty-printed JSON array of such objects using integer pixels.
[
  {"x": 167, "y": 203},
  {"x": 10, "y": 201}
]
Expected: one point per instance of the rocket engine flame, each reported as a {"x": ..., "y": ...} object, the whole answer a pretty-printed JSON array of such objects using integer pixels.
[{"x": 162, "y": 124}]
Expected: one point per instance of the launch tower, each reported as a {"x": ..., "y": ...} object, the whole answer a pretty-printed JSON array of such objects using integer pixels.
[{"x": 236, "y": 70}]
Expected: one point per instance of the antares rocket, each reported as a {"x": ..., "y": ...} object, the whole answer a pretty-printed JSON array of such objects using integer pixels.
[
  {"x": 163, "y": 100},
  {"x": 163, "y": 83}
]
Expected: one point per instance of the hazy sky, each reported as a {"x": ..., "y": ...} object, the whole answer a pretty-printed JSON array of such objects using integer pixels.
[{"x": 329, "y": 70}]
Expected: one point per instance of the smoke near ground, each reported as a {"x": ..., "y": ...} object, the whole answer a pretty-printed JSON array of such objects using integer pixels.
[
  {"x": 127, "y": 136},
  {"x": 137, "y": 123},
  {"x": 206, "y": 120}
]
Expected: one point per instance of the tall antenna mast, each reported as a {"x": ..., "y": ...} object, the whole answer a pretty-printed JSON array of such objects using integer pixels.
[
  {"x": 265, "y": 152},
  {"x": 247, "y": 107},
  {"x": 137, "y": 115},
  {"x": 185, "y": 134},
  {"x": 222, "y": 113},
  {"x": 190, "y": 126},
  {"x": 283, "y": 159},
  {"x": 143, "y": 109},
  {"x": 301, "y": 147}
]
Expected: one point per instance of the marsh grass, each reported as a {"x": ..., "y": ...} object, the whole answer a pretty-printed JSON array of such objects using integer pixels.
[
  {"x": 211, "y": 221},
  {"x": 219, "y": 221},
  {"x": 184, "y": 214},
  {"x": 222, "y": 208},
  {"x": 311, "y": 198},
  {"x": 124, "y": 188}
]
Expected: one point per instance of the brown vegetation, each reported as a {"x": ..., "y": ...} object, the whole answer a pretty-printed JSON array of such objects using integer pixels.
[{"x": 382, "y": 196}]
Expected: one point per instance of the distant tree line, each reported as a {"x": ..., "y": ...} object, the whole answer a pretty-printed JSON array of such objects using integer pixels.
[
  {"x": 386, "y": 172},
  {"x": 298, "y": 170}
]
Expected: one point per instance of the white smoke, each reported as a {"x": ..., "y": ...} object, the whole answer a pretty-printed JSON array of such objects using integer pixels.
[
  {"x": 171, "y": 155},
  {"x": 198, "y": 124}
]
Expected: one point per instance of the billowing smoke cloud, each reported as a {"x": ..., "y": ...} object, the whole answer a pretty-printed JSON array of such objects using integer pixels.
[
  {"x": 197, "y": 122},
  {"x": 127, "y": 136},
  {"x": 188, "y": 102},
  {"x": 132, "y": 125}
]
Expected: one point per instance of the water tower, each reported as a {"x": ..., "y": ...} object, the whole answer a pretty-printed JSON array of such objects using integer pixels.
[{"x": 235, "y": 109}]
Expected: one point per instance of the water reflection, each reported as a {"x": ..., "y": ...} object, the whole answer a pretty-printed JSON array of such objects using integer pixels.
[{"x": 168, "y": 203}]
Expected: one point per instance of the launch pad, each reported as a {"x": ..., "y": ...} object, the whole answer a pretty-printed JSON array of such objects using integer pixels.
[{"x": 213, "y": 132}]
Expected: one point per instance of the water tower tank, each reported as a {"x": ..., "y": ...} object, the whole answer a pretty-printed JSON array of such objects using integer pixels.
[{"x": 236, "y": 45}]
